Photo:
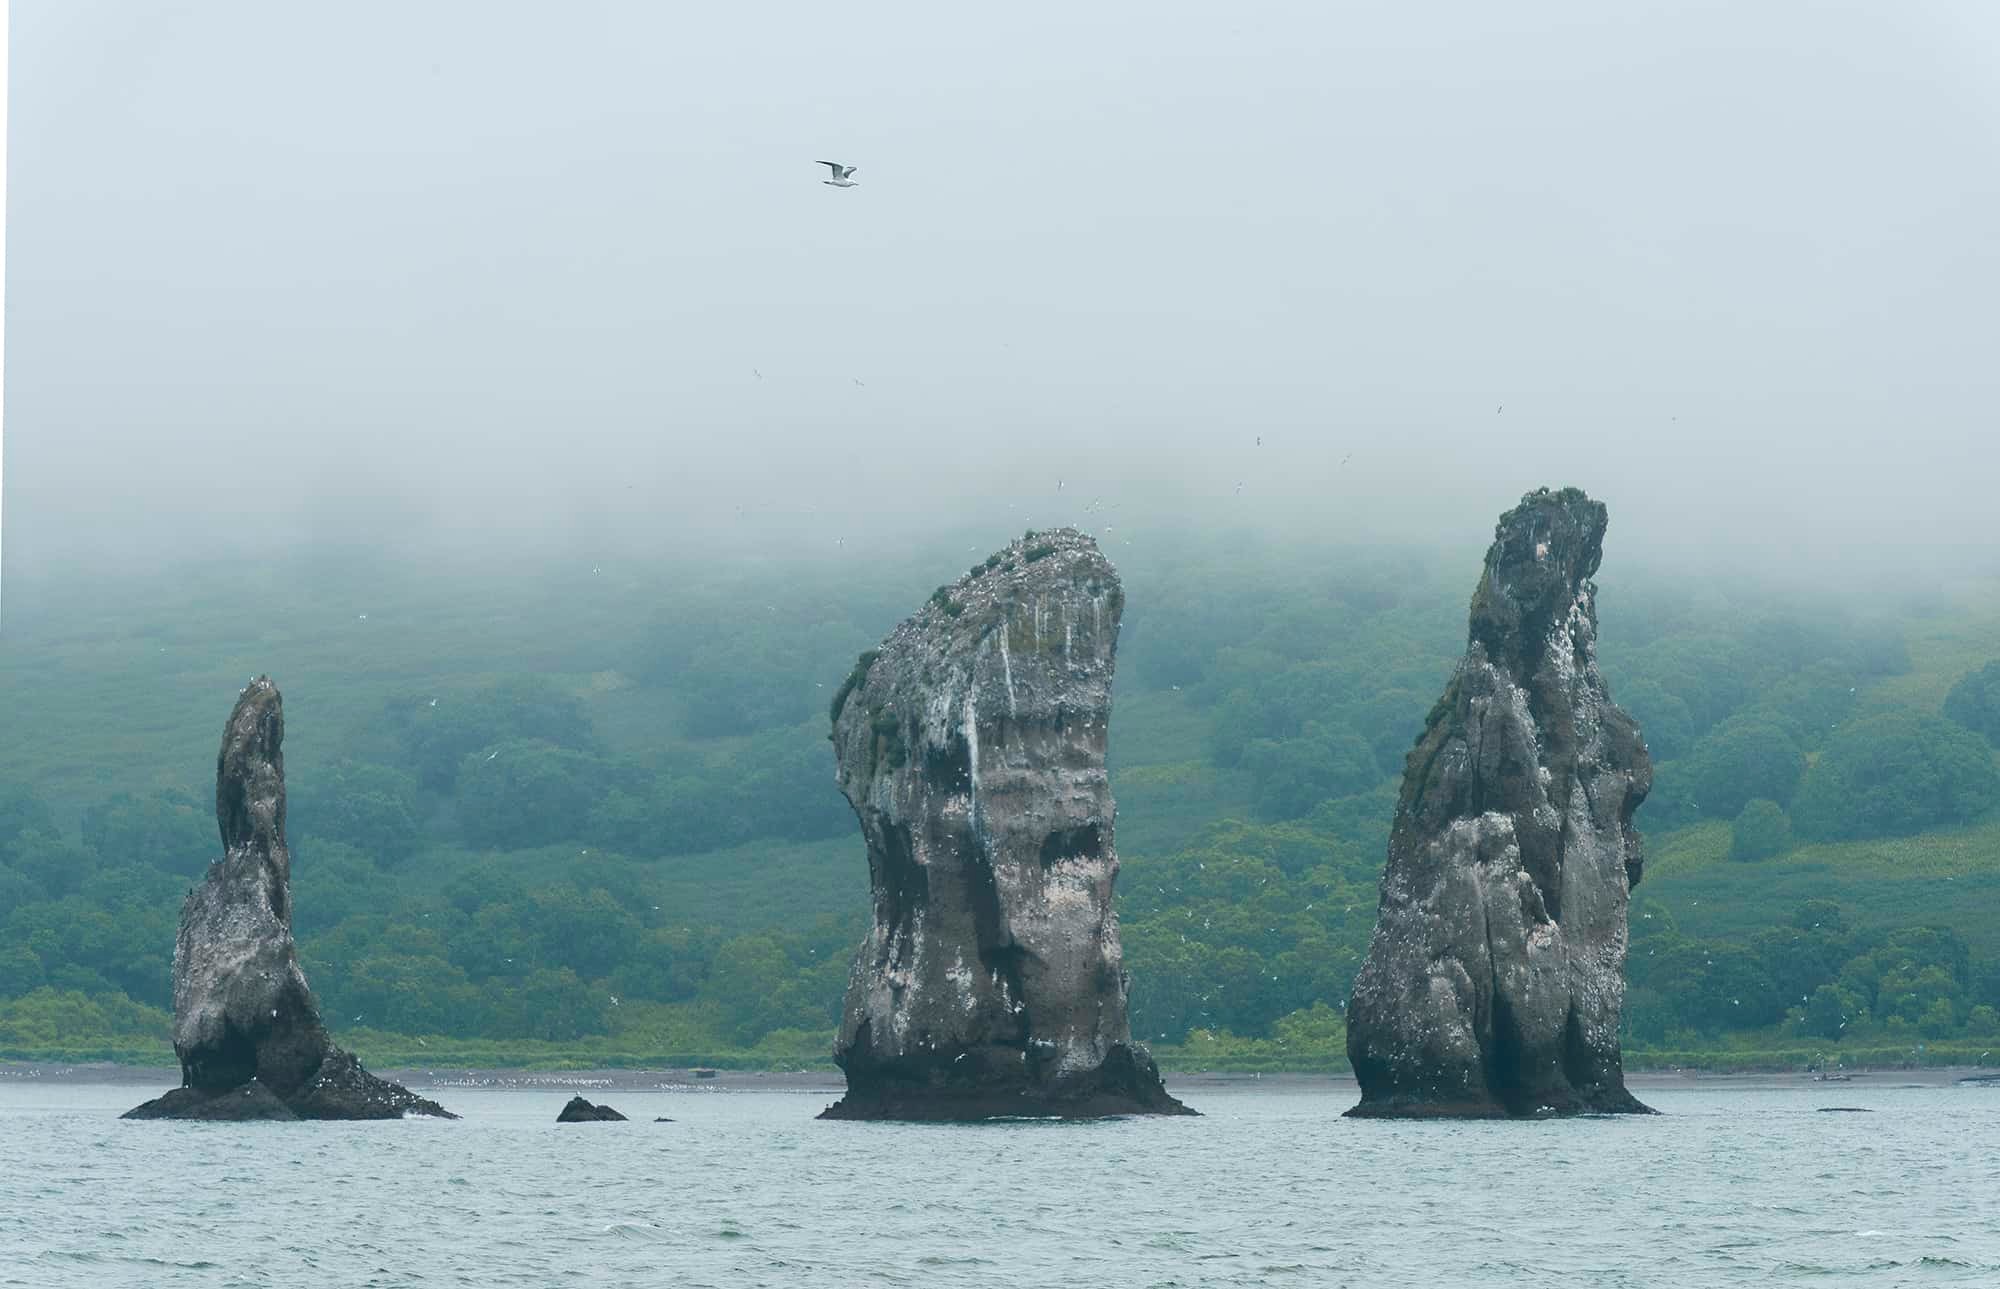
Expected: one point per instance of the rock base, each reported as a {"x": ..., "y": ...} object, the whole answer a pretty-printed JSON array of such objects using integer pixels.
[
  {"x": 1608, "y": 1101},
  {"x": 340, "y": 1089},
  {"x": 245, "y": 1103},
  {"x": 1128, "y": 1083}
]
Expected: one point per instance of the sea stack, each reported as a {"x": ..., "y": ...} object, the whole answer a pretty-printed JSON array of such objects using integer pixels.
[
  {"x": 246, "y": 1026},
  {"x": 971, "y": 746},
  {"x": 1495, "y": 979}
]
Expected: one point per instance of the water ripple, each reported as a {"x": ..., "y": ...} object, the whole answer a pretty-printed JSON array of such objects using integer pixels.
[{"x": 1727, "y": 1188}]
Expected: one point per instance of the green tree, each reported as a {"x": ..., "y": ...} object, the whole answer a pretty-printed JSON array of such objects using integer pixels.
[
  {"x": 1325, "y": 762},
  {"x": 168, "y": 830},
  {"x": 59, "y": 867},
  {"x": 1711, "y": 987},
  {"x": 1761, "y": 830},
  {"x": 586, "y": 931},
  {"x": 1742, "y": 760},
  {"x": 20, "y": 971},
  {"x": 527, "y": 793},
  {"x": 1974, "y": 702},
  {"x": 742, "y": 691},
  {"x": 1820, "y": 915},
  {"x": 748, "y": 982},
  {"x": 22, "y": 811},
  {"x": 553, "y": 1005},
  {"x": 439, "y": 734},
  {"x": 331, "y": 882},
  {"x": 79, "y": 942},
  {"x": 664, "y": 964},
  {"x": 1799, "y": 961},
  {"x": 371, "y": 807},
  {"x": 1830, "y": 1012},
  {"x": 624, "y": 821},
  {"x": 16, "y": 890},
  {"x": 407, "y": 994},
  {"x": 1896, "y": 774},
  {"x": 1664, "y": 719}
]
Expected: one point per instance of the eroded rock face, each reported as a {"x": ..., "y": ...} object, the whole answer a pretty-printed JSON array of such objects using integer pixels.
[
  {"x": 971, "y": 746},
  {"x": 1496, "y": 976},
  {"x": 246, "y": 1026}
]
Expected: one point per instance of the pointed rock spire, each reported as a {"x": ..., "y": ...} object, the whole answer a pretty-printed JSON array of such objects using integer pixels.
[
  {"x": 246, "y": 1026},
  {"x": 1495, "y": 978}
]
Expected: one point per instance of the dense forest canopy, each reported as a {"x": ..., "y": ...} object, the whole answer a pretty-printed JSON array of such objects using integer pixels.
[{"x": 589, "y": 811}]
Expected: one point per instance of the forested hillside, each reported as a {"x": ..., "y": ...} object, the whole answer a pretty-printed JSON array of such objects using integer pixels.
[{"x": 587, "y": 811}]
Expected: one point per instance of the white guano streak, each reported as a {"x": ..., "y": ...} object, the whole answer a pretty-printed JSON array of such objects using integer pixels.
[
  {"x": 1007, "y": 662},
  {"x": 971, "y": 719}
]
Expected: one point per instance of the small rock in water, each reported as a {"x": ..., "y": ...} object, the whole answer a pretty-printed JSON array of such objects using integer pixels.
[{"x": 581, "y": 1111}]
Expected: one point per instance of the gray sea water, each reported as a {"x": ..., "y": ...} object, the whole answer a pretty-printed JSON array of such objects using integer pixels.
[{"x": 747, "y": 1189}]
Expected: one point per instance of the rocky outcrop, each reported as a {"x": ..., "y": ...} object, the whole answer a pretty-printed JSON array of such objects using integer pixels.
[
  {"x": 581, "y": 1111},
  {"x": 246, "y": 1026},
  {"x": 971, "y": 746},
  {"x": 1495, "y": 979}
]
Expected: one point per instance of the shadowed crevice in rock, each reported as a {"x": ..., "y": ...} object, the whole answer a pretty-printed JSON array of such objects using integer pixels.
[
  {"x": 246, "y": 1026},
  {"x": 971, "y": 746},
  {"x": 1495, "y": 978}
]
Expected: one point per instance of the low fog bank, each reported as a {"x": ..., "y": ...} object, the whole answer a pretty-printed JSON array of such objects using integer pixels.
[
  {"x": 461, "y": 285},
  {"x": 1869, "y": 518}
]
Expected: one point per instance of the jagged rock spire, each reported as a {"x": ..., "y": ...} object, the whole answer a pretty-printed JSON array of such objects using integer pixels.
[
  {"x": 1494, "y": 981},
  {"x": 246, "y": 1026}
]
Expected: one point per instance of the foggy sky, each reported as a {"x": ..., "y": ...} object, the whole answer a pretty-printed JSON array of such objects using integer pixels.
[{"x": 502, "y": 275}]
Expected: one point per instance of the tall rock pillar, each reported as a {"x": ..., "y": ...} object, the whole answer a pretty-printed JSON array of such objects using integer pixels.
[
  {"x": 971, "y": 746},
  {"x": 1495, "y": 978},
  {"x": 246, "y": 1026}
]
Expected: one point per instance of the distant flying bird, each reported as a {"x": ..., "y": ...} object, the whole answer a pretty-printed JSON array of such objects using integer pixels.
[{"x": 840, "y": 174}]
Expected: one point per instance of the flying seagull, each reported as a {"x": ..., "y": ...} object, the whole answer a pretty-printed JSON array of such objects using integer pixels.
[{"x": 840, "y": 174}]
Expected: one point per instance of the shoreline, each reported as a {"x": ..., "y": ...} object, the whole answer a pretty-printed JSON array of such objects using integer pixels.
[{"x": 829, "y": 1082}]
